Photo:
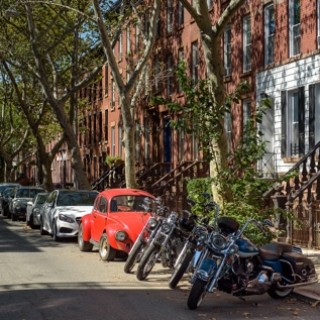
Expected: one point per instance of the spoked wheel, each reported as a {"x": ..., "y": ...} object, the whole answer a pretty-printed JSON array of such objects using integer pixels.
[
  {"x": 147, "y": 262},
  {"x": 106, "y": 252},
  {"x": 276, "y": 293},
  {"x": 180, "y": 269},
  {"x": 83, "y": 245},
  {"x": 134, "y": 255},
  {"x": 197, "y": 294}
]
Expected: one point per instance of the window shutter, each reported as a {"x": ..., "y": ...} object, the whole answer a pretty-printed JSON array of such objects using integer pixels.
[
  {"x": 311, "y": 116},
  {"x": 283, "y": 123},
  {"x": 301, "y": 121}
]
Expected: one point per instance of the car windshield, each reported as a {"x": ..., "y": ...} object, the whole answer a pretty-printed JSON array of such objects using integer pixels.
[
  {"x": 130, "y": 203},
  {"x": 76, "y": 198},
  {"x": 27, "y": 193},
  {"x": 41, "y": 198}
]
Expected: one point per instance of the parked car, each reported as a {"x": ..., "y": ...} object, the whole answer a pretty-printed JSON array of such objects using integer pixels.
[
  {"x": 62, "y": 211},
  {"x": 19, "y": 200},
  {"x": 6, "y": 192},
  {"x": 33, "y": 209},
  {"x": 115, "y": 222}
]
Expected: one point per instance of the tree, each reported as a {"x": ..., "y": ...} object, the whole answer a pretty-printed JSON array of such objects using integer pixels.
[
  {"x": 130, "y": 88},
  {"x": 211, "y": 42},
  {"x": 59, "y": 50}
]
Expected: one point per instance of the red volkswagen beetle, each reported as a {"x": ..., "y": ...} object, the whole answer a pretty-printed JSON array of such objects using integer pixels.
[{"x": 117, "y": 217}]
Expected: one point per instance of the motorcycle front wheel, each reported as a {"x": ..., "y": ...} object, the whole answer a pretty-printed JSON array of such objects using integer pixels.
[
  {"x": 147, "y": 262},
  {"x": 134, "y": 255},
  {"x": 181, "y": 268},
  {"x": 197, "y": 294}
]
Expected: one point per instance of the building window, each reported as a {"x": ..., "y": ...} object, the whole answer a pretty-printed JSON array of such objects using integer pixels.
[
  {"x": 292, "y": 113},
  {"x": 314, "y": 111},
  {"x": 318, "y": 19},
  {"x": 269, "y": 28},
  {"x": 95, "y": 128},
  {"x": 120, "y": 47},
  {"x": 169, "y": 82},
  {"x": 137, "y": 35},
  {"x": 246, "y": 32},
  {"x": 246, "y": 112},
  {"x": 128, "y": 41},
  {"x": 169, "y": 16},
  {"x": 294, "y": 27},
  {"x": 157, "y": 71},
  {"x": 227, "y": 51},
  {"x": 120, "y": 137},
  {"x": 194, "y": 62},
  {"x": 113, "y": 141},
  {"x": 106, "y": 80},
  {"x": 106, "y": 127},
  {"x": 228, "y": 129},
  {"x": 100, "y": 127},
  {"x": 113, "y": 94},
  {"x": 181, "y": 59},
  {"x": 180, "y": 18}
]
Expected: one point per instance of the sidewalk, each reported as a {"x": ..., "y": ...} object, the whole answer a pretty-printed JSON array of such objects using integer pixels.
[{"x": 313, "y": 291}]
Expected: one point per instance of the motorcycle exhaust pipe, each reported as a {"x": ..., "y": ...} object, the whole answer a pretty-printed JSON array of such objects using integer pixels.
[{"x": 297, "y": 284}]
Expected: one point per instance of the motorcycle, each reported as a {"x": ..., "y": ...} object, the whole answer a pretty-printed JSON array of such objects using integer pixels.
[
  {"x": 193, "y": 245},
  {"x": 232, "y": 264},
  {"x": 146, "y": 234},
  {"x": 164, "y": 246}
]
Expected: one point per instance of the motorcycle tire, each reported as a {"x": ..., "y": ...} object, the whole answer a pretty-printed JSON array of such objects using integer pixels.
[
  {"x": 181, "y": 268},
  {"x": 147, "y": 262},
  {"x": 279, "y": 294},
  {"x": 197, "y": 294},
  {"x": 134, "y": 255}
]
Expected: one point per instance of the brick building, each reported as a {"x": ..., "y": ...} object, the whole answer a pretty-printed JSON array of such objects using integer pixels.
[{"x": 274, "y": 45}]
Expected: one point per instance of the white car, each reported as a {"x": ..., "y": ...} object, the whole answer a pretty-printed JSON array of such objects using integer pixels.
[
  {"x": 61, "y": 213},
  {"x": 33, "y": 209}
]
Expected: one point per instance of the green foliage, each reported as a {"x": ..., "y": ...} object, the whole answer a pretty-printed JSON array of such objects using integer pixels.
[
  {"x": 201, "y": 115},
  {"x": 113, "y": 160}
]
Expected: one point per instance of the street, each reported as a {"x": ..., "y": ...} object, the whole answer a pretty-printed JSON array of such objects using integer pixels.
[{"x": 45, "y": 280}]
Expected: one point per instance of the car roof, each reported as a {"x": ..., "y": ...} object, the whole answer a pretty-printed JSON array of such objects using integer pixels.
[{"x": 110, "y": 193}]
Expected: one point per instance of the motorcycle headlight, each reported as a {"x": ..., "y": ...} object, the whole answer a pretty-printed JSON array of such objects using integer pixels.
[
  {"x": 152, "y": 223},
  {"x": 219, "y": 242},
  {"x": 166, "y": 227},
  {"x": 66, "y": 218},
  {"x": 121, "y": 236}
]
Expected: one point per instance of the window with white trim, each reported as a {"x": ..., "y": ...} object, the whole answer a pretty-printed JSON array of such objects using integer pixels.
[
  {"x": 120, "y": 47},
  {"x": 246, "y": 35},
  {"x": 269, "y": 29},
  {"x": 194, "y": 62},
  {"x": 228, "y": 129},
  {"x": 180, "y": 14},
  {"x": 246, "y": 112},
  {"x": 120, "y": 137},
  {"x": 169, "y": 81},
  {"x": 113, "y": 141},
  {"x": 294, "y": 27},
  {"x": 227, "y": 51},
  {"x": 128, "y": 41},
  {"x": 169, "y": 16},
  {"x": 318, "y": 22}
]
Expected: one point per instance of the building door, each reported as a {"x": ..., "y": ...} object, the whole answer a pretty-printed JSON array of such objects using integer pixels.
[
  {"x": 268, "y": 163},
  {"x": 314, "y": 119}
]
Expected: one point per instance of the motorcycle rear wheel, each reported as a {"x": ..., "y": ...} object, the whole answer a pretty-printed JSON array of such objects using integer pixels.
[
  {"x": 197, "y": 294},
  {"x": 147, "y": 262},
  {"x": 181, "y": 268},
  {"x": 279, "y": 294},
  {"x": 134, "y": 255}
]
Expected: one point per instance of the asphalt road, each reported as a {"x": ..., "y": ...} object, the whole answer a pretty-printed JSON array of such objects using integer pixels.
[{"x": 45, "y": 280}]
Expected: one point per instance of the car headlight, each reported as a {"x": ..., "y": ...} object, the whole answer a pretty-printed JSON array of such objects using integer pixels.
[
  {"x": 66, "y": 218},
  {"x": 152, "y": 222},
  {"x": 121, "y": 236}
]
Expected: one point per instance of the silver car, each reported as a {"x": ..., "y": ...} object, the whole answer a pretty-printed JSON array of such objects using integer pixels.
[
  {"x": 61, "y": 213},
  {"x": 33, "y": 209}
]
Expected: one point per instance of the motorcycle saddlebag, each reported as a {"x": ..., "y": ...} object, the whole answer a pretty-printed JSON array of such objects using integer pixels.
[{"x": 302, "y": 265}]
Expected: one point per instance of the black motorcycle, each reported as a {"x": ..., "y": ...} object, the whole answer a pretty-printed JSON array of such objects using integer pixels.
[
  {"x": 164, "y": 246},
  {"x": 232, "y": 264}
]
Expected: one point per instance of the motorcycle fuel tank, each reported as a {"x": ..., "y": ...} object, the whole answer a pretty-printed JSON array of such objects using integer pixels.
[{"x": 246, "y": 248}]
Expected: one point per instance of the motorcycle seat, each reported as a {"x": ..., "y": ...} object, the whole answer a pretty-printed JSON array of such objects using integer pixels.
[{"x": 274, "y": 250}]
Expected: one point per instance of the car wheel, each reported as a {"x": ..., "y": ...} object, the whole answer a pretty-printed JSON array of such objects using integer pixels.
[
  {"x": 42, "y": 231},
  {"x": 83, "y": 245},
  {"x": 106, "y": 252},
  {"x": 55, "y": 232}
]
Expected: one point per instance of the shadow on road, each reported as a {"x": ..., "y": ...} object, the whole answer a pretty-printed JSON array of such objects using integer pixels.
[{"x": 17, "y": 237}]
